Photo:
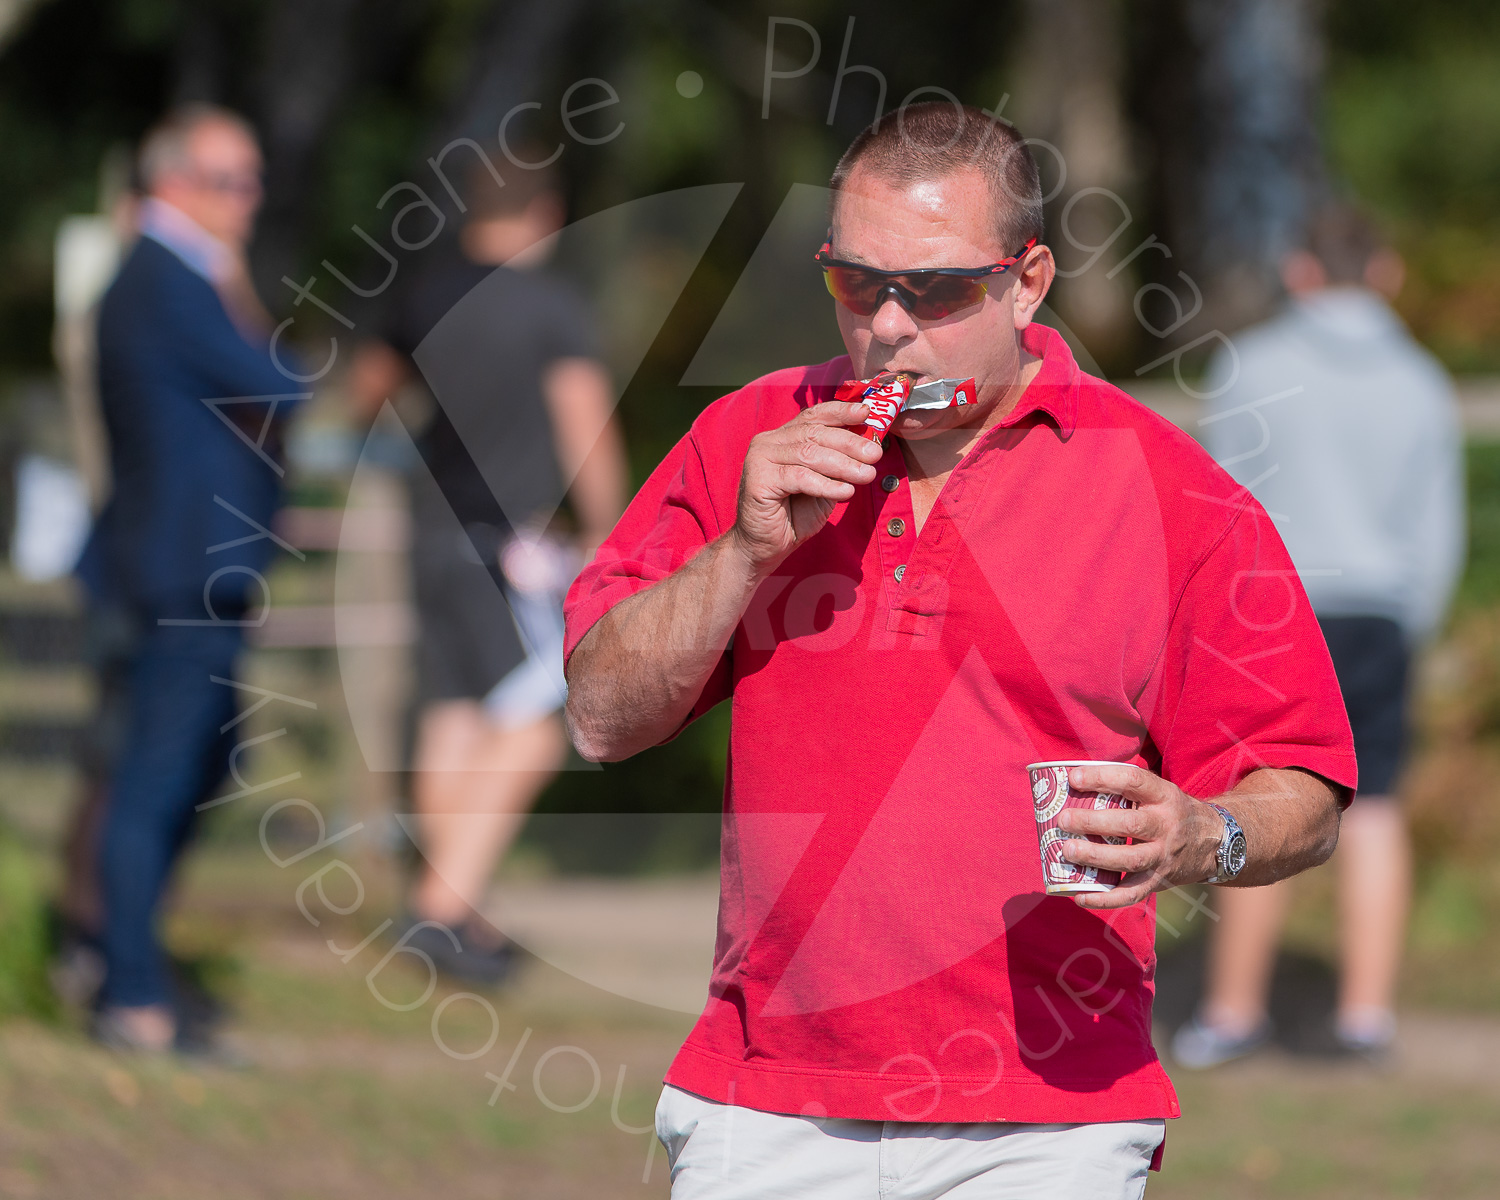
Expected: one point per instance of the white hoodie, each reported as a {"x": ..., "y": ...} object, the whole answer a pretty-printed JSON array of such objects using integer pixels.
[{"x": 1347, "y": 432}]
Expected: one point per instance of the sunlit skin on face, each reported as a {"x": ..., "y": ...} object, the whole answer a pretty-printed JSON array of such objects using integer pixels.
[
  {"x": 518, "y": 240},
  {"x": 943, "y": 222},
  {"x": 219, "y": 186}
]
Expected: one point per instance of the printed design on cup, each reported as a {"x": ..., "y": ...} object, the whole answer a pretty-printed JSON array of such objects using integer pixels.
[
  {"x": 1049, "y": 791},
  {"x": 1111, "y": 800},
  {"x": 1058, "y": 869},
  {"x": 1050, "y": 794}
]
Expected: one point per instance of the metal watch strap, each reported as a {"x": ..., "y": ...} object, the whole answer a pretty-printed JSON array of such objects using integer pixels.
[{"x": 1232, "y": 829}]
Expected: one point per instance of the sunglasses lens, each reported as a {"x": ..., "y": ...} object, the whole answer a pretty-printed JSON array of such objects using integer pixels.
[
  {"x": 858, "y": 291},
  {"x": 937, "y": 296},
  {"x": 928, "y": 297}
]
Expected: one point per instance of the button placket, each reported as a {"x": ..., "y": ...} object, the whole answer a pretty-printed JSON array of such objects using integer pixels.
[
  {"x": 923, "y": 563},
  {"x": 894, "y": 518}
]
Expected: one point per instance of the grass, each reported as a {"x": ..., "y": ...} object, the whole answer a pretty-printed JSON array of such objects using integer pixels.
[
  {"x": 347, "y": 1098},
  {"x": 24, "y": 989},
  {"x": 1250, "y": 1135},
  {"x": 1480, "y": 587}
]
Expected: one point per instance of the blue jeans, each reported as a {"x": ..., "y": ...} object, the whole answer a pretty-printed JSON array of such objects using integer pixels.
[{"x": 173, "y": 753}]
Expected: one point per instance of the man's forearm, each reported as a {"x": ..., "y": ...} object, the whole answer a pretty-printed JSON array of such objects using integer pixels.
[
  {"x": 1291, "y": 822},
  {"x": 636, "y": 674}
]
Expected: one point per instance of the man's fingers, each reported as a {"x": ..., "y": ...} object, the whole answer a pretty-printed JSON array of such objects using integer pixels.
[
  {"x": 846, "y": 441},
  {"x": 1108, "y": 822},
  {"x": 810, "y": 452},
  {"x": 1142, "y": 856},
  {"x": 1132, "y": 890},
  {"x": 834, "y": 412},
  {"x": 836, "y": 437},
  {"x": 1134, "y": 783},
  {"x": 804, "y": 481}
]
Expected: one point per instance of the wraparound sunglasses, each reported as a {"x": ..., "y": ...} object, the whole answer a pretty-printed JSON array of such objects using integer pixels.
[{"x": 928, "y": 295}]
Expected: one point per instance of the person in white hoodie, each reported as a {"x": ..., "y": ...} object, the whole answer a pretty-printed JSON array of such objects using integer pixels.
[{"x": 1347, "y": 432}]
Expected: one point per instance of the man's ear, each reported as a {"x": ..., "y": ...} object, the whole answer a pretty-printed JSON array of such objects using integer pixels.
[
  {"x": 1385, "y": 273},
  {"x": 1034, "y": 275},
  {"x": 1302, "y": 271}
]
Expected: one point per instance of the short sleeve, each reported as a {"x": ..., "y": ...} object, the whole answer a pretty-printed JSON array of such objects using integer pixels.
[
  {"x": 1245, "y": 680},
  {"x": 670, "y": 520},
  {"x": 570, "y": 329}
]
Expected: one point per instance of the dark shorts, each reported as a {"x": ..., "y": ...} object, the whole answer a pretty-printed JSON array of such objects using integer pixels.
[
  {"x": 467, "y": 639},
  {"x": 1372, "y": 663}
]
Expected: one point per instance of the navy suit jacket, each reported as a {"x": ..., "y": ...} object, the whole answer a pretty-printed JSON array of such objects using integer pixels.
[{"x": 166, "y": 345}]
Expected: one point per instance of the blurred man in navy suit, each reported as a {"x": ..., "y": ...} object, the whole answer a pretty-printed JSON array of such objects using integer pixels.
[{"x": 193, "y": 403}]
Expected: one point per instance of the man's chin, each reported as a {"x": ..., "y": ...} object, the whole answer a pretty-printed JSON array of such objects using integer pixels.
[{"x": 914, "y": 428}]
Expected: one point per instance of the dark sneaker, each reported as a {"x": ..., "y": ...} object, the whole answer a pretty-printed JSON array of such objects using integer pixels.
[
  {"x": 462, "y": 953},
  {"x": 1372, "y": 1046},
  {"x": 195, "y": 1043},
  {"x": 1199, "y": 1046}
]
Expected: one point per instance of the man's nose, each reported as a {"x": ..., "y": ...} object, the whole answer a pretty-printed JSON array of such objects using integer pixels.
[{"x": 892, "y": 322}]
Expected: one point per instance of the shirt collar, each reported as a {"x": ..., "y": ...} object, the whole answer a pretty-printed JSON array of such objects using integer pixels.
[
  {"x": 199, "y": 250},
  {"x": 1054, "y": 389}
]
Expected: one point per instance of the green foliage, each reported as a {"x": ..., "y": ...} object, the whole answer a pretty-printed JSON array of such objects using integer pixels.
[
  {"x": 1480, "y": 587},
  {"x": 24, "y": 989},
  {"x": 1418, "y": 140},
  {"x": 1450, "y": 909},
  {"x": 1421, "y": 138}
]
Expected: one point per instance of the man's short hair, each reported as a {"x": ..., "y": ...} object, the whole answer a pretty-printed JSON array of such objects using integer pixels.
[
  {"x": 936, "y": 139},
  {"x": 1344, "y": 240},
  {"x": 164, "y": 148},
  {"x": 487, "y": 200}
]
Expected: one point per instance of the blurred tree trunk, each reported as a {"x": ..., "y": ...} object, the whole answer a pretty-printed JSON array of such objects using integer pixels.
[
  {"x": 1233, "y": 90},
  {"x": 1068, "y": 93},
  {"x": 200, "y": 61},
  {"x": 306, "y": 73},
  {"x": 510, "y": 62}
]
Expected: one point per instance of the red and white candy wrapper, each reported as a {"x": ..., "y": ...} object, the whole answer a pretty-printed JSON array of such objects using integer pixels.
[
  {"x": 1050, "y": 794},
  {"x": 893, "y": 392}
]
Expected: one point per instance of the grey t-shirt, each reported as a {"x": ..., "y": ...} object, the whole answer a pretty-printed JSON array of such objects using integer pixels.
[{"x": 483, "y": 338}]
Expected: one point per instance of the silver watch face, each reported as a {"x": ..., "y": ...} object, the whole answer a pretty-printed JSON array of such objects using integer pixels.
[{"x": 1235, "y": 855}]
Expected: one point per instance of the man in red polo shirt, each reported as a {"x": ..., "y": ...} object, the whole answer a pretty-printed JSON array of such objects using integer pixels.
[{"x": 1052, "y": 572}]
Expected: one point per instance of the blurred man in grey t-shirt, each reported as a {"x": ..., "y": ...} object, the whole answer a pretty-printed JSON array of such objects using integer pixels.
[{"x": 1347, "y": 432}]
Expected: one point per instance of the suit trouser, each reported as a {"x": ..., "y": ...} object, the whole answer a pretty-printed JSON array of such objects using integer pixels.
[{"x": 174, "y": 750}]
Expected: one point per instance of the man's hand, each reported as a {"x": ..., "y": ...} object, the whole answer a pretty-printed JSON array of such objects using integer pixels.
[
  {"x": 795, "y": 475},
  {"x": 1290, "y": 818},
  {"x": 634, "y": 676},
  {"x": 1174, "y": 837}
]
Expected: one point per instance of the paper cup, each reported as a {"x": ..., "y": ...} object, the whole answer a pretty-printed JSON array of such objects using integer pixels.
[{"x": 1050, "y": 794}]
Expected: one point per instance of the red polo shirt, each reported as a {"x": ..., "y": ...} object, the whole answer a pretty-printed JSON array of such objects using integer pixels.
[{"x": 1088, "y": 585}]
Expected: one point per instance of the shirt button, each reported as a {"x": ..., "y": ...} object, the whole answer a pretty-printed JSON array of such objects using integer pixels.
[
  {"x": 900, "y": 572},
  {"x": 890, "y": 483},
  {"x": 896, "y": 528}
]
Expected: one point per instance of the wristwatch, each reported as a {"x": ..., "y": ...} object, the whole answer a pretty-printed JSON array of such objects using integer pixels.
[{"x": 1231, "y": 854}]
